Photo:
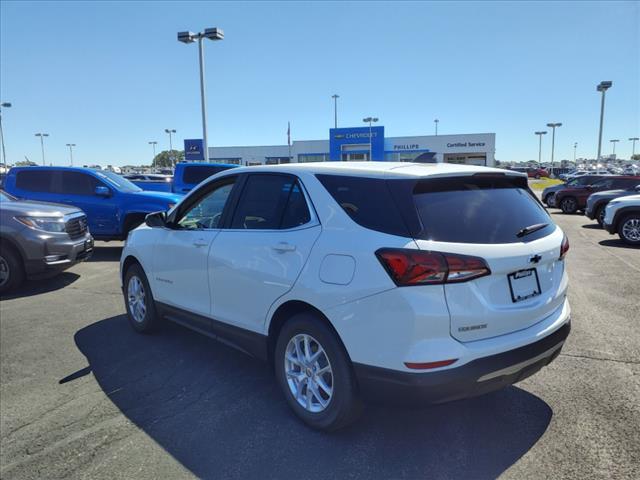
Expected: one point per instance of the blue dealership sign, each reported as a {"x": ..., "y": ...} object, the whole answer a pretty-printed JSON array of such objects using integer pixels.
[
  {"x": 193, "y": 149},
  {"x": 342, "y": 137}
]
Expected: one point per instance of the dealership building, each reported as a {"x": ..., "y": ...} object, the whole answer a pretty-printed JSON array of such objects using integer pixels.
[{"x": 362, "y": 143}]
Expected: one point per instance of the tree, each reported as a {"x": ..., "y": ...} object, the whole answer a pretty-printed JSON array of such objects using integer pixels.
[
  {"x": 163, "y": 159},
  {"x": 26, "y": 163},
  {"x": 635, "y": 157}
]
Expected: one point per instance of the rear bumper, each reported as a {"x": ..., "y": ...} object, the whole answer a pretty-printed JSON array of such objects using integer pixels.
[{"x": 477, "y": 377}]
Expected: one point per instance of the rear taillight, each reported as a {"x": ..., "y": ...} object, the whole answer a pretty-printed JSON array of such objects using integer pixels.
[
  {"x": 564, "y": 247},
  {"x": 417, "y": 267}
]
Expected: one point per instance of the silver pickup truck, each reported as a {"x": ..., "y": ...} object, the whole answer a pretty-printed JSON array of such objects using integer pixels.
[{"x": 38, "y": 240}]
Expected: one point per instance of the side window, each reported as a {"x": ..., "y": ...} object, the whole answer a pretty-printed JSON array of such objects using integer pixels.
[
  {"x": 78, "y": 183},
  {"x": 271, "y": 202},
  {"x": 34, "y": 181},
  {"x": 207, "y": 211}
]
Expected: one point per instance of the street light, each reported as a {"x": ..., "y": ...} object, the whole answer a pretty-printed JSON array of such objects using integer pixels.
[
  {"x": 335, "y": 97},
  {"x": 189, "y": 37},
  {"x": 614, "y": 145},
  {"x": 553, "y": 140},
  {"x": 4, "y": 154},
  {"x": 436, "y": 121},
  {"x": 575, "y": 146},
  {"x": 71, "y": 145},
  {"x": 602, "y": 87},
  {"x": 370, "y": 120},
  {"x": 153, "y": 144},
  {"x": 42, "y": 135},
  {"x": 170, "y": 131},
  {"x": 633, "y": 146},
  {"x": 540, "y": 147}
]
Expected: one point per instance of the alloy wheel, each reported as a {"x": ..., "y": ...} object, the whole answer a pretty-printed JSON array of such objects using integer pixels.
[
  {"x": 308, "y": 372},
  {"x": 136, "y": 299},
  {"x": 631, "y": 229},
  {"x": 4, "y": 271},
  {"x": 568, "y": 205}
]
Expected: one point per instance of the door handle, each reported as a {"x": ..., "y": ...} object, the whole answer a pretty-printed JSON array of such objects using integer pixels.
[
  {"x": 200, "y": 243},
  {"x": 284, "y": 247}
]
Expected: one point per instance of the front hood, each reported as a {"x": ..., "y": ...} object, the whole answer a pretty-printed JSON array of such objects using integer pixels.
[
  {"x": 607, "y": 194},
  {"x": 160, "y": 197},
  {"x": 555, "y": 188},
  {"x": 34, "y": 209}
]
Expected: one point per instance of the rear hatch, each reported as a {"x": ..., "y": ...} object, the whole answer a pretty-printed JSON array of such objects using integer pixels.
[{"x": 486, "y": 216}]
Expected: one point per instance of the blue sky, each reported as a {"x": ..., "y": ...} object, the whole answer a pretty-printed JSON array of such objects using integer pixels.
[{"x": 111, "y": 76}]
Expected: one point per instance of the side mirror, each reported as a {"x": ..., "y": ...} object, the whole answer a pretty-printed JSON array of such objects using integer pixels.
[
  {"x": 156, "y": 219},
  {"x": 637, "y": 188},
  {"x": 102, "y": 191}
]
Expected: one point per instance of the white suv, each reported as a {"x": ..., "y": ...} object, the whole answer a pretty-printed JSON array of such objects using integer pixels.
[
  {"x": 414, "y": 283},
  {"x": 622, "y": 216}
]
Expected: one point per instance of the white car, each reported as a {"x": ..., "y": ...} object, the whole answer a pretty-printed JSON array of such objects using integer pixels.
[
  {"x": 622, "y": 216},
  {"x": 416, "y": 283}
]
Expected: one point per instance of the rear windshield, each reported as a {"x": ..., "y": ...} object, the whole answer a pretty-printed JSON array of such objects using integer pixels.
[
  {"x": 478, "y": 210},
  {"x": 196, "y": 174}
]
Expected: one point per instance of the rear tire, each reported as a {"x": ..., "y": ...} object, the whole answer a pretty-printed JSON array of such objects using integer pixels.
[
  {"x": 11, "y": 269},
  {"x": 629, "y": 229},
  {"x": 600, "y": 215},
  {"x": 298, "y": 372},
  {"x": 549, "y": 200},
  {"x": 569, "y": 205},
  {"x": 138, "y": 300}
]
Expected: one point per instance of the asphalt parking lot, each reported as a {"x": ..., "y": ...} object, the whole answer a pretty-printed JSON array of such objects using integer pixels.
[{"x": 82, "y": 396}]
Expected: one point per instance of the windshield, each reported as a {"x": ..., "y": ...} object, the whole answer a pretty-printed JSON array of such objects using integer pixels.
[
  {"x": 115, "y": 180},
  {"x": 5, "y": 197}
]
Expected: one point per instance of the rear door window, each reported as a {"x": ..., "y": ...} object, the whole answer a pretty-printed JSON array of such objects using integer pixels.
[
  {"x": 271, "y": 202},
  {"x": 477, "y": 210},
  {"x": 35, "y": 180},
  {"x": 78, "y": 183},
  {"x": 196, "y": 174}
]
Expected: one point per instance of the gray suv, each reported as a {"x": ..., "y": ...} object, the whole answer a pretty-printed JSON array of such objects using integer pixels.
[{"x": 39, "y": 239}]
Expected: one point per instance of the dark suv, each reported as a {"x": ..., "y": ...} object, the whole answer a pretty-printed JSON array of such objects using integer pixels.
[{"x": 572, "y": 199}]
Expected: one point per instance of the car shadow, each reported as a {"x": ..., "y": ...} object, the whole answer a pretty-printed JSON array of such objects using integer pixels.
[
  {"x": 36, "y": 287},
  {"x": 220, "y": 414},
  {"x": 106, "y": 253},
  {"x": 616, "y": 242},
  {"x": 592, "y": 226}
]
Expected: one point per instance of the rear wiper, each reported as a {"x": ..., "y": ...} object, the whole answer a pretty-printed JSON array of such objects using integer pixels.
[{"x": 530, "y": 229}]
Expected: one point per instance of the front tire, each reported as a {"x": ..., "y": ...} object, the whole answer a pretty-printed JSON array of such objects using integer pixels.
[
  {"x": 629, "y": 229},
  {"x": 600, "y": 215},
  {"x": 138, "y": 300},
  {"x": 315, "y": 374},
  {"x": 569, "y": 205},
  {"x": 11, "y": 269},
  {"x": 550, "y": 200}
]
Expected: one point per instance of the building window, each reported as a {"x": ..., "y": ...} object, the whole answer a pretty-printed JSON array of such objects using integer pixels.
[
  {"x": 276, "y": 160},
  {"x": 313, "y": 157},
  {"x": 232, "y": 160}
]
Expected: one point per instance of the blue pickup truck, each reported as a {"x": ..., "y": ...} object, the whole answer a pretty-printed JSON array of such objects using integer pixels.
[
  {"x": 190, "y": 174},
  {"x": 113, "y": 204}
]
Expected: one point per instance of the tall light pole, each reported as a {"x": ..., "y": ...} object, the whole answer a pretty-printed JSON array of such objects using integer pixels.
[
  {"x": 602, "y": 87},
  {"x": 335, "y": 97},
  {"x": 71, "y": 145},
  {"x": 575, "y": 146},
  {"x": 553, "y": 140},
  {"x": 540, "y": 147},
  {"x": 42, "y": 135},
  {"x": 436, "y": 121},
  {"x": 614, "y": 145},
  {"x": 370, "y": 120},
  {"x": 633, "y": 146},
  {"x": 4, "y": 154},
  {"x": 170, "y": 131},
  {"x": 190, "y": 37},
  {"x": 153, "y": 144}
]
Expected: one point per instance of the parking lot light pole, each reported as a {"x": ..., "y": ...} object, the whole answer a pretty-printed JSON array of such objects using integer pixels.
[
  {"x": 153, "y": 144},
  {"x": 335, "y": 97},
  {"x": 633, "y": 146},
  {"x": 170, "y": 131},
  {"x": 540, "y": 147},
  {"x": 370, "y": 120},
  {"x": 189, "y": 37},
  {"x": 602, "y": 87},
  {"x": 436, "y": 121},
  {"x": 614, "y": 145},
  {"x": 42, "y": 135},
  {"x": 575, "y": 146},
  {"x": 71, "y": 145},
  {"x": 4, "y": 153},
  {"x": 553, "y": 141}
]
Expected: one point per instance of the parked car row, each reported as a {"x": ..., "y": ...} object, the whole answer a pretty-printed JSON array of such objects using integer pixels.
[
  {"x": 593, "y": 194},
  {"x": 186, "y": 176}
]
